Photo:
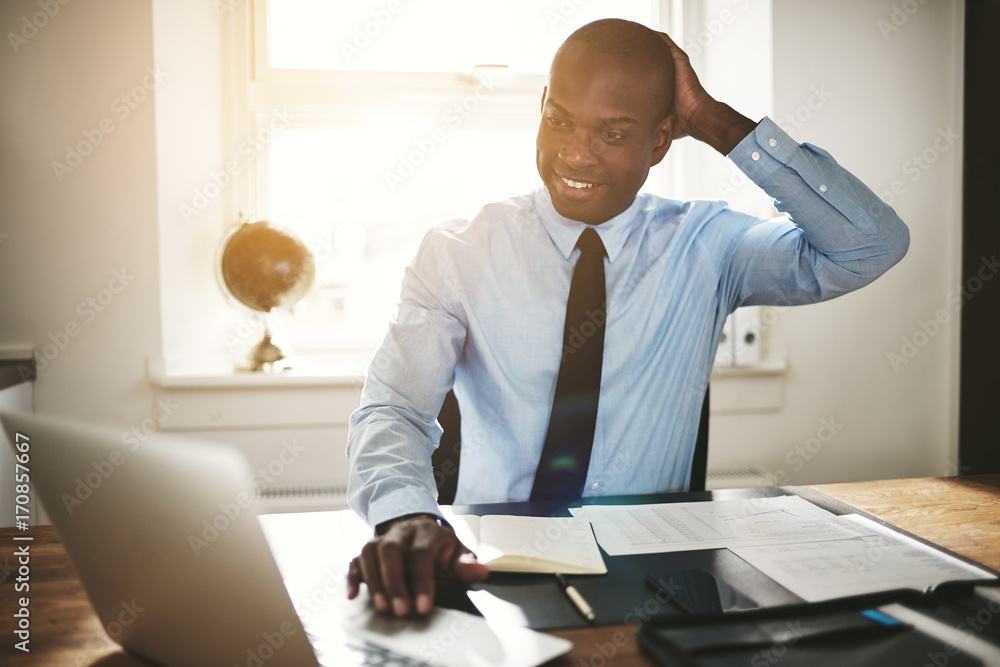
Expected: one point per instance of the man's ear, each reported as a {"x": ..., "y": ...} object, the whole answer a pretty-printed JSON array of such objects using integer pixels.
[
  {"x": 663, "y": 137},
  {"x": 545, "y": 92}
]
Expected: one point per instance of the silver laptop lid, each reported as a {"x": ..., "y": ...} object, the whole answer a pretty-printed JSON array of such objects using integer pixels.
[{"x": 168, "y": 532}]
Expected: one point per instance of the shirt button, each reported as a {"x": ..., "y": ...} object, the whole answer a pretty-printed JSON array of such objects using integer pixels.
[
  {"x": 822, "y": 188},
  {"x": 772, "y": 142},
  {"x": 593, "y": 486},
  {"x": 755, "y": 155}
]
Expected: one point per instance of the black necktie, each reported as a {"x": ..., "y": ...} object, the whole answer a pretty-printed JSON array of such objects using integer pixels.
[{"x": 562, "y": 469}]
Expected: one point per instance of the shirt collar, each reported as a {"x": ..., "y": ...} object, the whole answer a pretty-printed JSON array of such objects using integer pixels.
[{"x": 565, "y": 232}]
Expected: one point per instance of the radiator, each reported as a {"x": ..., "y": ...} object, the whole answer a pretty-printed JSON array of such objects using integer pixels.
[
  {"x": 276, "y": 498},
  {"x": 737, "y": 478}
]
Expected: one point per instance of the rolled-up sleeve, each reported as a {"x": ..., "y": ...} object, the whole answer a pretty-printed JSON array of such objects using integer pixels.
[
  {"x": 392, "y": 435},
  {"x": 837, "y": 237}
]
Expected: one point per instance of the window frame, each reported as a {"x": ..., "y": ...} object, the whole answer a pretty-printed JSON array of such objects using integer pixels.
[{"x": 327, "y": 98}]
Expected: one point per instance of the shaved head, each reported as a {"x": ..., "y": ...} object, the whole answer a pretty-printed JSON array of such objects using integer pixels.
[
  {"x": 631, "y": 42},
  {"x": 606, "y": 118}
]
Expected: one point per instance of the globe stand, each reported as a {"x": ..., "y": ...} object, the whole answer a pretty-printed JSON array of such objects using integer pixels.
[{"x": 267, "y": 356}]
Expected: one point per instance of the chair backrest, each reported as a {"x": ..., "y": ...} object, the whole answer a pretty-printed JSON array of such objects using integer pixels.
[
  {"x": 447, "y": 456},
  {"x": 699, "y": 463}
]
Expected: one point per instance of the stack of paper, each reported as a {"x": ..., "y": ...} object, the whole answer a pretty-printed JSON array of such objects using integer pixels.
[
  {"x": 811, "y": 552},
  {"x": 640, "y": 529},
  {"x": 883, "y": 560}
]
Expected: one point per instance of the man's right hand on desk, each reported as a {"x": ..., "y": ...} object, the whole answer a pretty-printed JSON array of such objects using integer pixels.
[{"x": 413, "y": 549}]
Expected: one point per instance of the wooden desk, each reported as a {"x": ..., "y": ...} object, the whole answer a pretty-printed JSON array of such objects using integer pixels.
[{"x": 960, "y": 514}]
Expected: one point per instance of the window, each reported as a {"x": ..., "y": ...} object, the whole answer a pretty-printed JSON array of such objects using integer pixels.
[{"x": 386, "y": 117}]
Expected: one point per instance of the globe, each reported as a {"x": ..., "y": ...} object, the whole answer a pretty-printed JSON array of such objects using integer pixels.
[{"x": 267, "y": 269}]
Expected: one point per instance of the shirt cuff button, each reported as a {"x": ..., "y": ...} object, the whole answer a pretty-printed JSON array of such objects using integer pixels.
[
  {"x": 822, "y": 188},
  {"x": 593, "y": 486},
  {"x": 772, "y": 142},
  {"x": 755, "y": 155}
]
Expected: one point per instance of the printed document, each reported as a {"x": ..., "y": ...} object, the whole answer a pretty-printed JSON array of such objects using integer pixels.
[
  {"x": 881, "y": 561},
  {"x": 715, "y": 524}
]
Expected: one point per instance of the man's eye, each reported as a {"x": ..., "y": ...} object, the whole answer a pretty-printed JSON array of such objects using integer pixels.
[
  {"x": 611, "y": 135},
  {"x": 556, "y": 122}
]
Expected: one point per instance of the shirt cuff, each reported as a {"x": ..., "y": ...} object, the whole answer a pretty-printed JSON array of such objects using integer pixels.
[
  {"x": 763, "y": 151},
  {"x": 769, "y": 148},
  {"x": 400, "y": 502}
]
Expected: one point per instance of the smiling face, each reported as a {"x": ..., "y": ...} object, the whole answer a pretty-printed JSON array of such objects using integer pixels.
[{"x": 601, "y": 130}]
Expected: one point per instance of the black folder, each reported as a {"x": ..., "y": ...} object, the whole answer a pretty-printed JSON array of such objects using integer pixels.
[
  {"x": 623, "y": 596},
  {"x": 848, "y": 631}
]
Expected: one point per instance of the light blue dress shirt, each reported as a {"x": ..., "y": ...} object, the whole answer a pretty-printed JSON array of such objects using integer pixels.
[{"x": 484, "y": 302}]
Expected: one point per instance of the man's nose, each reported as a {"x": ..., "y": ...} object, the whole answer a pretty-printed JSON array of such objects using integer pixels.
[{"x": 580, "y": 150}]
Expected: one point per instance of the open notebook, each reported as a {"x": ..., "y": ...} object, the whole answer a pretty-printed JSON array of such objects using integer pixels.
[{"x": 531, "y": 544}]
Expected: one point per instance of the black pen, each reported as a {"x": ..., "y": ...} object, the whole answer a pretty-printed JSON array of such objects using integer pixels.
[{"x": 576, "y": 598}]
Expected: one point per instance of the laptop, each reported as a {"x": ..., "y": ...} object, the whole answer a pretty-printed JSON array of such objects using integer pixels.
[{"x": 170, "y": 532}]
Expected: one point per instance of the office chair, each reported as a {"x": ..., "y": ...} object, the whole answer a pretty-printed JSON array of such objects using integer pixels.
[{"x": 447, "y": 456}]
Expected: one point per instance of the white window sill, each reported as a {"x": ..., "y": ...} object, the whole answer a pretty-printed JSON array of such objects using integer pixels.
[
  {"x": 749, "y": 389},
  {"x": 735, "y": 389},
  {"x": 766, "y": 368},
  {"x": 341, "y": 371}
]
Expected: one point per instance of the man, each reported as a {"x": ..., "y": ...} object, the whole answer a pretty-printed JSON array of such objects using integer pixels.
[{"x": 487, "y": 303}]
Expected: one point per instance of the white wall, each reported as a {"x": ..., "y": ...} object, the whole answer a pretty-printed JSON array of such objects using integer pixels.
[
  {"x": 888, "y": 93},
  {"x": 191, "y": 141},
  {"x": 62, "y": 241}
]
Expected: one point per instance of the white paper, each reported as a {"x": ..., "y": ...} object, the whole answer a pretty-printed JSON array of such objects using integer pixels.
[
  {"x": 638, "y": 529},
  {"x": 882, "y": 561}
]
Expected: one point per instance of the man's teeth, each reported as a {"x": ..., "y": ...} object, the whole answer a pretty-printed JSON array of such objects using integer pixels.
[{"x": 576, "y": 184}]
